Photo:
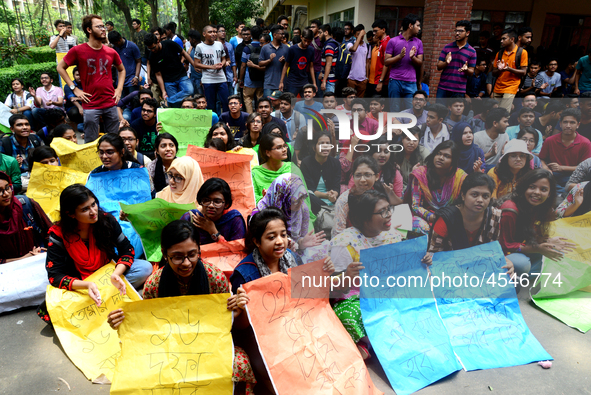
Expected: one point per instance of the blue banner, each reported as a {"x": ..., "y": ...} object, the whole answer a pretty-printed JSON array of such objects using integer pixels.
[
  {"x": 401, "y": 319},
  {"x": 480, "y": 309},
  {"x": 129, "y": 186}
]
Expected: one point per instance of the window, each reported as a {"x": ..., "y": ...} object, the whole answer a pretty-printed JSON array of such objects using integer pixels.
[
  {"x": 484, "y": 20},
  {"x": 349, "y": 15},
  {"x": 332, "y": 18},
  {"x": 394, "y": 16}
]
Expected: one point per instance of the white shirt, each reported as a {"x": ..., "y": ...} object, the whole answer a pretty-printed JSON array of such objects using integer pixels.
[
  {"x": 430, "y": 142},
  {"x": 210, "y": 55}
]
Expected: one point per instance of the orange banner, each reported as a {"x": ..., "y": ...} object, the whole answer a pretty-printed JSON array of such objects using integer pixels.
[
  {"x": 225, "y": 256},
  {"x": 234, "y": 169},
  {"x": 302, "y": 341}
]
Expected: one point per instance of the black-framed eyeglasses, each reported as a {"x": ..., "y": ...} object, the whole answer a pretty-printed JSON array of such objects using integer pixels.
[
  {"x": 128, "y": 139},
  {"x": 216, "y": 202},
  {"x": 359, "y": 176},
  {"x": 385, "y": 213},
  {"x": 5, "y": 190},
  {"x": 193, "y": 257},
  {"x": 109, "y": 152},
  {"x": 176, "y": 178},
  {"x": 147, "y": 110},
  {"x": 358, "y": 110},
  {"x": 281, "y": 147}
]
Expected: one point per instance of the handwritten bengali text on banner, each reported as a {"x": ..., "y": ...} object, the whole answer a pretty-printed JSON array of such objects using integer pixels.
[
  {"x": 82, "y": 326},
  {"x": 81, "y": 157},
  {"x": 225, "y": 256},
  {"x": 234, "y": 169},
  {"x": 47, "y": 183},
  {"x": 180, "y": 345},
  {"x": 188, "y": 126},
  {"x": 302, "y": 341}
]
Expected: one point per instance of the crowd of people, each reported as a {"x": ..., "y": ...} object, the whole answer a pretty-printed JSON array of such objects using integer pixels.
[{"x": 500, "y": 152}]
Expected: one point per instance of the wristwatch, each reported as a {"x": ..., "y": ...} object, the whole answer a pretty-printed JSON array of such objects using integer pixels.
[
  {"x": 215, "y": 236},
  {"x": 381, "y": 80},
  {"x": 73, "y": 86}
]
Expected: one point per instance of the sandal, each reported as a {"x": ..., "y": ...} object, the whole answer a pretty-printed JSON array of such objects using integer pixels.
[{"x": 363, "y": 351}]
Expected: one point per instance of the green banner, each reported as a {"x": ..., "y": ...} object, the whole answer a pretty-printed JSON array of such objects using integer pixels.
[
  {"x": 149, "y": 218},
  {"x": 560, "y": 292},
  {"x": 189, "y": 126}
]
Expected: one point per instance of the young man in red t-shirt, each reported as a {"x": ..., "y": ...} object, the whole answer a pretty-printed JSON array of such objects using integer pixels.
[
  {"x": 378, "y": 57},
  {"x": 94, "y": 61}
]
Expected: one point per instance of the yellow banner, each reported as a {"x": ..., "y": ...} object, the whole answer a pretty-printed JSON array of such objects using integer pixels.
[
  {"x": 179, "y": 345},
  {"x": 82, "y": 157},
  {"x": 47, "y": 183},
  {"x": 70, "y": 70},
  {"x": 82, "y": 327}
]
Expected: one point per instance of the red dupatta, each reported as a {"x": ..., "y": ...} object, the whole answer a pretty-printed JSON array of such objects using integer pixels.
[{"x": 87, "y": 259}]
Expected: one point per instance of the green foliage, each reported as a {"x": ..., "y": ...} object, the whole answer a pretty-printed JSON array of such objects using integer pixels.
[
  {"x": 14, "y": 54},
  {"x": 228, "y": 12},
  {"x": 42, "y": 54},
  {"x": 29, "y": 73},
  {"x": 9, "y": 17}
]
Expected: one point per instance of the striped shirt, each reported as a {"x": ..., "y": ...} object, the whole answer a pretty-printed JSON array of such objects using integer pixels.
[
  {"x": 64, "y": 44},
  {"x": 451, "y": 79},
  {"x": 331, "y": 48}
]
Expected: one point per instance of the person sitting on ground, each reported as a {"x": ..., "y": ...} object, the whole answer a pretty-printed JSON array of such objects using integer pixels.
[
  {"x": 9, "y": 165},
  {"x": 86, "y": 239},
  {"x": 526, "y": 119},
  {"x": 435, "y": 185},
  {"x": 513, "y": 165},
  {"x": 184, "y": 181},
  {"x": 53, "y": 118},
  {"x": 145, "y": 127},
  {"x": 371, "y": 216},
  {"x": 182, "y": 272},
  {"x": 23, "y": 224},
  {"x": 412, "y": 156},
  {"x": 289, "y": 194},
  {"x": 252, "y": 136},
  {"x": 44, "y": 155},
  {"x": 221, "y": 131},
  {"x": 64, "y": 131},
  {"x": 130, "y": 139},
  {"x": 20, "y": 101},
  {"x": 20, "y": 142},
  {"x": 471, "y": 156},
  {"x": 435, "y": 131},
  {"x": 530, "y": 136},
  {"x": 364, "y": 170},
  {"x": 493, "y": 139},
  {"x": 114, "y": 155},
  {"x": 525, "y": 223},
  {"x": 578, "y": 187},
  {"x": 216, "y": 222},
  {"x": 166, "y": 148}
]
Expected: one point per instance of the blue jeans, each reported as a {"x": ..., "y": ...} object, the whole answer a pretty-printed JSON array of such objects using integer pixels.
[
  {"x": 196, "y": 81},
  {"x": 128, "y": 89},
  {"x": 330, "y": 87},
  {"x": 526, "y": 263},
  {"x": 561, "y": 178},
  {"x": 319, "y": 93},
  {"x": 178, "y": 90},
  {"x": 401, "y": 92},
  {"x": 214, "y": 91},
  {"x": 127, "y": 115},
  {"x": 442, "y": 95},
  {"x": 38, "y": 115},
  {"x": 138, "y": 273},
  {"x": 29, "y": 115}
]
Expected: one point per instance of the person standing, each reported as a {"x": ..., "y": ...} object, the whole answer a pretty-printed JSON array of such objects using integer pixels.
[
  {"x": 509, "y": 66},
  {"x": 165, "y": 60},
  {"x": 457, "y": 60},
  {"x": 231, "y": 71},
  {"x": 404, "y": 56},
  {"x": 252, "y": 75},
  {"x": 378, "y": 84},
  {"x": 272, "y": 58},
  {"x": 299, "y": 61},
  {"x": 330, "y": 53},
  {"x": 63, "y": 41},
  {"x": 583, "y": 74},
  {"x": 138, "y": 36},
  {"x": 237, "y": 39},
  {"x": 211, "y": 57},
  {"x": 132, "y": 61},
  {"x": 170, "y": 32},
  {"x": 94, "y": 60},
  {"x": 358, "y": 75}
]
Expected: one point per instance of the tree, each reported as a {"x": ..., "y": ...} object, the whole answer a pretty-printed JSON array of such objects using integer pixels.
[
  {"x": 198, "y": 13},
  {"x": 228, "y": 12},
  {"x": 153, "y": 4},
  {"x": 124, "y": 8}
]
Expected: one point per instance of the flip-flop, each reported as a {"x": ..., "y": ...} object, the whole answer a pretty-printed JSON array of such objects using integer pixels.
[{"x": 365, "y": 350}]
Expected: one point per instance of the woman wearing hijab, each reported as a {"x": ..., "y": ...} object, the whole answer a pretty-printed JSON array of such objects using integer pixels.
[
  {"x": 471, "y": 155},
  {"x": 23, "y": 227},
  {"x": 184, "y": 181},
  {"x": 288, "y": 193}
]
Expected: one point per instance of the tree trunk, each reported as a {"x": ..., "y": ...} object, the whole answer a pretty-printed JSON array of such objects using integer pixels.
[
  {"x": 153, "y": 4},
  {"x": 198, "y": 13},
  {"x": 124, "y": 8},
  {"x": 7, "y": 23},
  {"x": 32, "y": 26},
  {"x": 179, "y": 6}
]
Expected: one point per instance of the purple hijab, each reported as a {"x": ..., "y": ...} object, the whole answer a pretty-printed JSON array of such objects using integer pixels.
[{"x": 468, "y": 154}]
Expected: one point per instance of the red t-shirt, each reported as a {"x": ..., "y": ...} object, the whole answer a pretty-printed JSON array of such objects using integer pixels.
[
  {"x": 95, "y": 73},
  {"x": 380, "y": 62},
  {"x": 554, "y": 151}
]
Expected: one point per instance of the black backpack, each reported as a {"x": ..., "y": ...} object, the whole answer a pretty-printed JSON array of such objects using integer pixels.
[
  {"x": 344, "y": 61},
  {"x": 28, "y": 216},
  {"x": 517, "y": 63},
  {"x": 255, "y": 74},
  {"x": 7, "y": 144}
]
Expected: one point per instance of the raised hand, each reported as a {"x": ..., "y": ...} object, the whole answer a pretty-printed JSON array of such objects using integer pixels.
[
  {"x": 413, "y": 51},
  {"x": 403, "y": 52},
  {"x": 448, "y": 58}
]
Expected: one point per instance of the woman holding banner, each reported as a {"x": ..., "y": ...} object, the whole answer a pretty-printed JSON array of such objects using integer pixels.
[
  {"x": 86, "y": 239},
  {"x": 23, "y": 224},
  {"x": 216, "y": 222},
  {"x": 166, "y": 148},
  {"x": 182, "y": 272},
  {"x": 114, "y": 154},
  {"x": 525, "y": 222},
  {"x": 370, "y": 214},
  {"x": 184, "y": 181}
]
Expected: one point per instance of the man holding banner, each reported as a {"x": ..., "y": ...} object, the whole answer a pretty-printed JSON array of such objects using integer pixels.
[{"x": 94, "y": 62}]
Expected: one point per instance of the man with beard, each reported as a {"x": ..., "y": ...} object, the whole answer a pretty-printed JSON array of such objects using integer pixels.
[
  {"x": 146, "y": 128},
  {"x": 419, "y": 102},
  {"x": 493, "y": 139},
  {"x": 94, "y": 61}
]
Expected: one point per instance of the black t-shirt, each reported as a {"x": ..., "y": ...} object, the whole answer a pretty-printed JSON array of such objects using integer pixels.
[
  {"x": 237, "y": 126},
  {"x": 146, "y": 136},
  {"x": 298, "y": 60},
  {"x": 168, "y": 61}
]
